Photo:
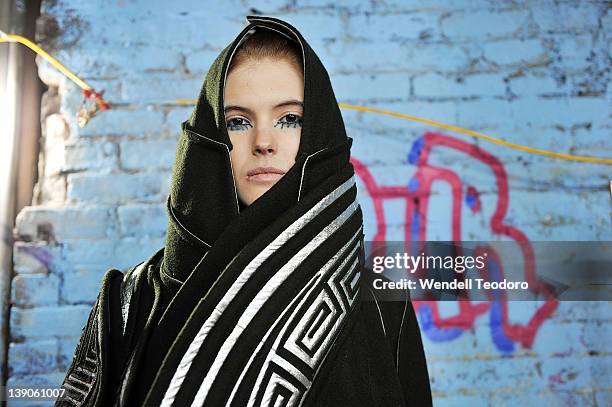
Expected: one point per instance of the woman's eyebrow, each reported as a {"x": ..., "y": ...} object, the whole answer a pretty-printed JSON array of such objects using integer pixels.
[
  {"x": 235, "y": 107},
  {"x": 290, "y": 102}
]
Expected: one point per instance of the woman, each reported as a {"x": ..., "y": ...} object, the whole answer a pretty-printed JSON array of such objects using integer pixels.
[{"x": 255, "y": 298}]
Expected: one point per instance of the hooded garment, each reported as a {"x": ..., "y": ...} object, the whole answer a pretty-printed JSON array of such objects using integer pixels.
[{"x": 259, "y": 305}]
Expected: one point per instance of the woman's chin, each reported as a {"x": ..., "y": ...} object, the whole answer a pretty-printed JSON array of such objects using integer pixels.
[{"x": 254, "y": 194}]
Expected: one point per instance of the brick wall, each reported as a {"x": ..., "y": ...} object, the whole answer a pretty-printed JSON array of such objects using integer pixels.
[{"x": 531, "y": 72}]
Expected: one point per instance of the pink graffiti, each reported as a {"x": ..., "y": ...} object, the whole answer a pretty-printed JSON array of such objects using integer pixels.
[{"x": 416, "y": 199}]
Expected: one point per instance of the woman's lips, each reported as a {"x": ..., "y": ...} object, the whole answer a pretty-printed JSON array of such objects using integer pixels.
[{"x": 265, "y": 174}]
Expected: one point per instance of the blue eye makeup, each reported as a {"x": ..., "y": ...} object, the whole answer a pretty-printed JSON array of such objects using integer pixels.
[
  {"x": 238, "y": 124},
  {"x": 290, "y": 120}
]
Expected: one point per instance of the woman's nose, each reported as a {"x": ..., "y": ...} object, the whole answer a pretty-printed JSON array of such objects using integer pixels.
[{"x": 264, "y": 144}]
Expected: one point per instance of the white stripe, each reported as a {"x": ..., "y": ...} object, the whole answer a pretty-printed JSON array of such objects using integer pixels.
[
  {"x": 261, "y": 298},
  {"x": 272, "y": 355},
  {"x": 194, "y": 347},
  {"x": 290, "y": 306},
  {"x": 304, "y": 169}
]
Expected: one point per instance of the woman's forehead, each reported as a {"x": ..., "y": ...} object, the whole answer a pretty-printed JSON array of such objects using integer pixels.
[{"x": 264, "y": 84}]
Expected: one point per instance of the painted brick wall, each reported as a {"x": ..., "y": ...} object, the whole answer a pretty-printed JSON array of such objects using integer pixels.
[{"x": 531, "y": 72}]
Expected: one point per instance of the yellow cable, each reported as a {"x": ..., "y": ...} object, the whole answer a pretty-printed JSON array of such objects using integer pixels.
[
  {"x": 17, "y": 38},
  {"x": 22, "y": 40},
  {"x": 475, "y": 134}
]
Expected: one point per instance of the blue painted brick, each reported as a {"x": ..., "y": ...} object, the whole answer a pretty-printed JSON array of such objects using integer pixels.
[
  {"x": 511, "y": 52},
  {"x": 395, "y": 26},
  {"x": 33, "y": 357},
  {"x": 142, "y": 220},
  {"x": 35, "y": 289},
  {"x": 67, "y": 347},
  {"x": 131, "y": 251},
  {"x": 435, "y": 85},
  {"x": 536, "y": 85},
  {"x": 118, "y": 121},
  {"x": 82, "y": 285},
  {"x": 483, "y": 24},
  {"x": 157, "y": 88},
  {"x": 161, "y": 153},
  {"x": 360, "y": 86},
  {"x": 117, "y": 188},
  {"x": 65, "y": 223},
  {"x": 98, "y": 155},
  {"x": 42, "y": 322}
]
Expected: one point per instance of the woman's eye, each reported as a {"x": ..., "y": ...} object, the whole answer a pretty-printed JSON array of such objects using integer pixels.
[
  {"x": 237, "y": 124},
  {"x": 290, "y": 120}
]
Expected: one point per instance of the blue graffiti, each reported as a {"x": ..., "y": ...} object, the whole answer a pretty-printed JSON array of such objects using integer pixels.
[
  {"x": 432, "y": 331},
  {"x": 415, "y": 151}
]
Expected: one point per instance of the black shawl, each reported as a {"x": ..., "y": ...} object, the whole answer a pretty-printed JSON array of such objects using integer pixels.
[{"x": 259, "y": 305}]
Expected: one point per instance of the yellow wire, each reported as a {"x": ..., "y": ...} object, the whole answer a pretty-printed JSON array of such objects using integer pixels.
[
  {"x": 472, "y": 133},
  {"x": 22, "y": 40},
  {"x": 538, "y": 151}
]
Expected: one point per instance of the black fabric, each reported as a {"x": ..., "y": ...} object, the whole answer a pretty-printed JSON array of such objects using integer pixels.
[{"x": 210, "y": 240}]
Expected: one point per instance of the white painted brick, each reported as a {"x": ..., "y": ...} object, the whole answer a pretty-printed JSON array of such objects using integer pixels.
[
  {"x": 52, "y": 190},
  {"x": 56, "y": 132}
]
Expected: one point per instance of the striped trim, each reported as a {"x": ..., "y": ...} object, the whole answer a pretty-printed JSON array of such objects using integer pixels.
[
  {"x": 187, "y": 359},
  {"x": 314, "y": 330},
  {"x": 266, "y": 292}
]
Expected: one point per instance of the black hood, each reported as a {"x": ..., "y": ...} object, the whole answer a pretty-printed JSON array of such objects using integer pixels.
[{"x": 203, "y": 201}]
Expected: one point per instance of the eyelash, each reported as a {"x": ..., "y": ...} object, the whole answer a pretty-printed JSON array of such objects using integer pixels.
[
  {"x": 298, "y": 122},
  {"x": 246, "y": 125}
]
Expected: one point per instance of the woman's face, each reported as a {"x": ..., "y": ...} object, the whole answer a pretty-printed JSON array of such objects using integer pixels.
[{"x": 263, "y": 113}]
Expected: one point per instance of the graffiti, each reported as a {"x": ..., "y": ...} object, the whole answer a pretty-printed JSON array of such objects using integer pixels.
[
  {"x": 415, "y": 196},
  {"x": 40, "y": 253}
]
